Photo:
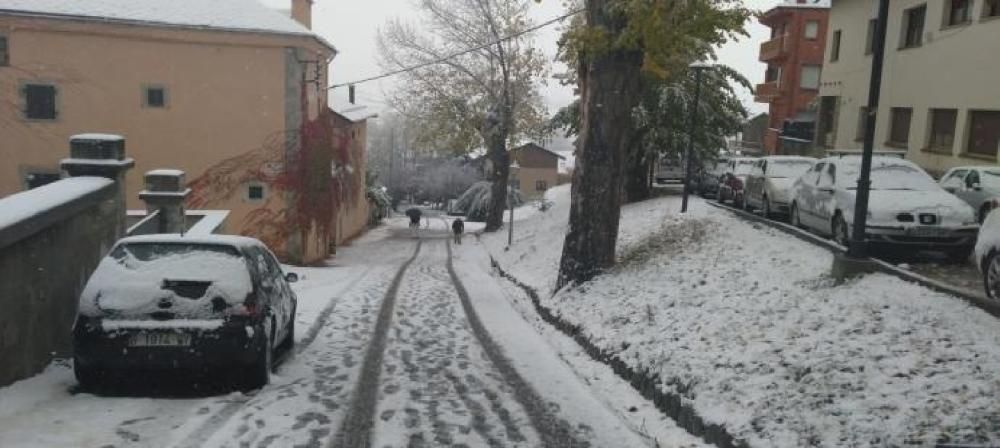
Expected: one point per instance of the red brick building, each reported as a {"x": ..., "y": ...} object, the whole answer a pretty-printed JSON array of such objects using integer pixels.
[{"x": 794, "y": 58}]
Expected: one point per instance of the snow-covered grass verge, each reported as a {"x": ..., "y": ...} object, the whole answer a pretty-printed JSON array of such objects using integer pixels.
[{"x": 742, "y": 321}]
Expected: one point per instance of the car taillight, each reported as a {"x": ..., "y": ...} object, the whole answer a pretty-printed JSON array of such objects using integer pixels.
[{"x": 249, "y": 309}]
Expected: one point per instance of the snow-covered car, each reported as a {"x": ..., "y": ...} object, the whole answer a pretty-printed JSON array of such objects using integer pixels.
[
  {"x": 734, "y": 179},
  {"x": 707, "y": 180},
  {"x": 906, "y": 207},
  {"x": 194, "y": 303},
  {"x": 669, "y": 169},
  {"x": 769, "y": 185},
  {"x": 988, "y": 255},
  {"x": 978, "y": 186}
]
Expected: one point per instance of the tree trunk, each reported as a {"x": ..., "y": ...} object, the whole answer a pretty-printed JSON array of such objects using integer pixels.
[
  {"x": 637, "y": 185},
  {"x": 500, "y": 161},
  {"x": 609, "y": 91}
]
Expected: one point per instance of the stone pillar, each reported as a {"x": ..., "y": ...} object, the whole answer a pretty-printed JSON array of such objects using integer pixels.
[
  {"x": 165, "y": 192},
  {"x": 101, "y": 155}
]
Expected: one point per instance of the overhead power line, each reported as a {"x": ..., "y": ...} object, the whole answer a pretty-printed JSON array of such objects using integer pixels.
[{"x": 459, "y": 53}]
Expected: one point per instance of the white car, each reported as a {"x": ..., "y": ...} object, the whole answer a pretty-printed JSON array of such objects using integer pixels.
[
  {"x": 770, "y": 181},
  {"x": 906, "y": 207},
  {"x": 978, "y": 186},
  {"x": 988, "y": 255}
]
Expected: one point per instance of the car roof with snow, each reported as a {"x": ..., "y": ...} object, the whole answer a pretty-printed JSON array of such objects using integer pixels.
[
  {"x": 239, "y": 242},
  {"x": 876, "y": 161}
]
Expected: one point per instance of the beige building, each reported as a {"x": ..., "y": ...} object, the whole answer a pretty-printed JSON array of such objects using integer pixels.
[
  {"x": 229, "y": 91},
  {"x": 940, "y": 96},
  {"x": 534, "y": 169}
]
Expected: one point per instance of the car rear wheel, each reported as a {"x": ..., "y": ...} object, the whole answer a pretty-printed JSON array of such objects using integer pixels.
[
  {"x": 839, "y": 230},
  {"x": 991, "y": 276}
]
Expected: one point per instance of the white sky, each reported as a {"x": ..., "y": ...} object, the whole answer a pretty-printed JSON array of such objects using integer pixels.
[{"x": 352, "y": 26}]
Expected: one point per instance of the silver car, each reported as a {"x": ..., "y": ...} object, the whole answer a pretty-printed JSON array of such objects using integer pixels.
[
  {"x": 906, "y": 207},
  {"x": 978, "y": 186},
  {"x": 769, "y": 185}
]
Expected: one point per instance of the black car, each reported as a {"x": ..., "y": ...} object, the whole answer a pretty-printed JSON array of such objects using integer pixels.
[{"x": 193, "y": 303}]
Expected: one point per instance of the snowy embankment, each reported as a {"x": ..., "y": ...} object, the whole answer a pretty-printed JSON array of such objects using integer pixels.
[{"x": 743, "y": 322}]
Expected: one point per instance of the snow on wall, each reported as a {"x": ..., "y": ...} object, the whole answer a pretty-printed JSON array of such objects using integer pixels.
[{"x": 26, "y": 204}]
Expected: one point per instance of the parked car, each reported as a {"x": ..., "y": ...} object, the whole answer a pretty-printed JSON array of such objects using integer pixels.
[
  {"x": 734, "y": 180},
  {"x": 769, "y": 185},
  {"x": 978, "y": 186},
  {"x": 988, "y": 255},
  {"x": 906, "y": 208},
  {"x": 169, "y": 301},
  {"x": 708, "y": 178},
  {"x": 669, "y": 168}
]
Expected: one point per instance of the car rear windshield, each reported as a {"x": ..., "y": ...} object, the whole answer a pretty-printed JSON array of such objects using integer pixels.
[
  {"x": 892, "y": 177},
  {"x": 788, "y": 168},
  {"x": 153, "y": 251}
]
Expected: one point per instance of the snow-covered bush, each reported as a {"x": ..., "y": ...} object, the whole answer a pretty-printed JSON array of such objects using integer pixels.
[
  {"x": 476, "y": 201},
  {"x": 379, "y": 204}
]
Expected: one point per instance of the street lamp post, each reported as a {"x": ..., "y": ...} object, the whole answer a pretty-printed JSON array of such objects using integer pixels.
[
  {"x": 698, "y": 67},
  {"x": 858, "y": 246}
]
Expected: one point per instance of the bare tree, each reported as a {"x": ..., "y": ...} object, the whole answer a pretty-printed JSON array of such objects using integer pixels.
[{"x": 487, "y": 97}]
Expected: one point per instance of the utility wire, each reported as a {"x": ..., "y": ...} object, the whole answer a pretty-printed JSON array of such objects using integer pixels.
[{"x": 459, "y": 53}]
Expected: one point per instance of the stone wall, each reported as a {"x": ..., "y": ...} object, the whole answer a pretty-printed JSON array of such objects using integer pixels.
[{"x": 51, "y": 240}]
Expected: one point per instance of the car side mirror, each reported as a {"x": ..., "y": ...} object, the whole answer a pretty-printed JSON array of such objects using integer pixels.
[{"x": 291, "y": 277}]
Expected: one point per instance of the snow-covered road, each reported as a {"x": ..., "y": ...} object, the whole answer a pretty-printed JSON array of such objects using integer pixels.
[{"x": 396, "y": 347}]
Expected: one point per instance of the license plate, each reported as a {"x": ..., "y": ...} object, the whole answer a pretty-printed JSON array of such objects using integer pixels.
[
  {"x": 160, "y": 340},
  {"x": 928, "y": 231}
]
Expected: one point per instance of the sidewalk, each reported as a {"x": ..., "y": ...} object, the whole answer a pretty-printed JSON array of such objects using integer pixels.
[{"x": 743, "y": 322}]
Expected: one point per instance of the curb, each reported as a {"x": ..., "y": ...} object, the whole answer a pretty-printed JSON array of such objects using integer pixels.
[
  {"x": 972, "y": 298},
  {"x": 670, "y": 404}
]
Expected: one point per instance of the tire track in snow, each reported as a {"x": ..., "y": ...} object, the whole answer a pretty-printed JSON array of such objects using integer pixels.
[
  {"x": 218, "y": 420},
  {"x": 553, "y": 431},
  {"x": 355, "y": 430}
]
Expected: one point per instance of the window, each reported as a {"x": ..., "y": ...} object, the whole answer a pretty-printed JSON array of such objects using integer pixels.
[
  {"x": 991, "y": 8},
  {"x": 835, "y": 47},
  {"x": 870, "y": 38},
  {"x": 957, "y": 12},
  {"x": 862, "y": 123},
  {"x": 541, "y": 185},
  {"x": 154, "y": 96},
  {"x": 942, "y": 129},
  {"x": 827, "y": 121},
  {"x": 913, "y": 31},
  {"x": 810, "y": 77},
  {"x": 984, "y": 132},
  {"x": 256, "y": 192},
  {"x": 955, "y": 179},
  {"x": 35, "y": 180},
  {"x": 812, "y": 29},
  {"x": 39, "y": 101},
  {"x": 899, "y": 126},
  {"x": 4, "y": 52}
]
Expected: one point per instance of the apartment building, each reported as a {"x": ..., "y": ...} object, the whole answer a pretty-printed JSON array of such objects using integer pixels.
[
  {"x": 794, "y": 58},
  {"x": 940, "y": 98}
]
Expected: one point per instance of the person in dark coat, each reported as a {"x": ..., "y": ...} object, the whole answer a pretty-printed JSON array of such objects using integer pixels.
[{"x": 457, "y": 227}]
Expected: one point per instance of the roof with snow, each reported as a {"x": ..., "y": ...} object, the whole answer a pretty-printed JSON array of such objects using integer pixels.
[
  {"x": 804, "y": 4},
  {"x": 355, "y": 114},
  {"x": 228, "y": 15},
  {"x": 537, "y": 147}
]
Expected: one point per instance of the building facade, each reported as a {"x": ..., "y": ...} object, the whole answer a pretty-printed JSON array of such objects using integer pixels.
[
  {"x": 534, "y": 169},
  {"x": 230, "y": 92},
  {"x": 794, "y": 58},
  {"x": 940, "y": 98}
]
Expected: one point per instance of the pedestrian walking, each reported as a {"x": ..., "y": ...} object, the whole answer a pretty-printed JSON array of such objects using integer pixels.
[
  {"x": 414, "y": 214},
  {"x": 457, "y": 227}
]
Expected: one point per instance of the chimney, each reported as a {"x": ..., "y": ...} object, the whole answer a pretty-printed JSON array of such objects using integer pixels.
[{"x": 302, "y": 12}]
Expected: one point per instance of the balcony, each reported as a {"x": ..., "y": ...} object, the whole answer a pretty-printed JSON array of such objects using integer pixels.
[
  {"x": 773, "y": 49},
  {"x": 766, "y": 92}
]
